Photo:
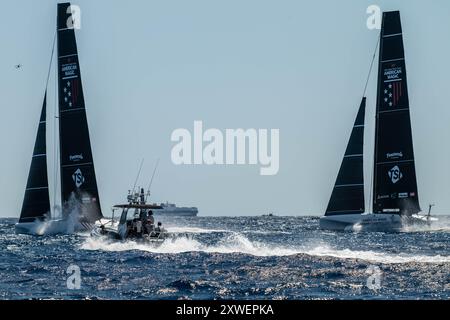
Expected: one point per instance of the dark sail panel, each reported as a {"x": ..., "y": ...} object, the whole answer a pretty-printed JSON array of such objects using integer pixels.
[
  {"x": 78, "y": 181},
  {"x": 348, "y": 193},
  {"x": 395, "y": 185},
  {"x": 36, "y": 203}
]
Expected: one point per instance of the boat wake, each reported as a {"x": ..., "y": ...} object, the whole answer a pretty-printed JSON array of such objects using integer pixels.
[
  {"x": 67, "y": 225},
  {"x": 194, "y": 230},
  {"x": 237, "y": 243},
  {"x": 377, "y": 257},
  {"x": 441, "y": 225},
  {"x": 233, "y": 243}
]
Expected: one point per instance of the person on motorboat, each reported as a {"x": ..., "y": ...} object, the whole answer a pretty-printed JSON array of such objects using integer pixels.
[
  {"x": 148, "y": 222},
  {"x": 138, "y": 226},
  {"x": 134, "y": 227}
]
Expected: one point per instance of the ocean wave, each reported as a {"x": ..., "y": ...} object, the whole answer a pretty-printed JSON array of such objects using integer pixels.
[{"x": 266, "y": 232}]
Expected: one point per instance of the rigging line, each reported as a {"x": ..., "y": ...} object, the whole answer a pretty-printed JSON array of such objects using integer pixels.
[
  {"x": 46, "y": 84},
  {"x": 51, "y": 60},
  {"x": 55, "y": 129},
  {"x": 372, "y": 173},
  {"x": 371, "y": 66}
]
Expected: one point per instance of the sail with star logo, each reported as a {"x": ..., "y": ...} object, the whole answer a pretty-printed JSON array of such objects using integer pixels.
[
  {"x": 395, "y": 200},
  {"x": 79, "y": 193},
  {"x": 77, "y": 164},
  {"x": 394, "y": 170}
]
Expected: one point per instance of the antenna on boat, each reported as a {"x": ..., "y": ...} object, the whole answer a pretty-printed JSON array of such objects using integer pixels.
[
  {"x": 151, "y": 180},
  {"x": 137, "y": 177}
]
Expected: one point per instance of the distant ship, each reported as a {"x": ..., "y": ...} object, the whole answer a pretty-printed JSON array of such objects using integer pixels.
[{"x": 170, "y": 209}]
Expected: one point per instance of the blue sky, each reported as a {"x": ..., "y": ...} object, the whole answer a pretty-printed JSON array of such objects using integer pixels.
[{"x": 150, "y": 67}]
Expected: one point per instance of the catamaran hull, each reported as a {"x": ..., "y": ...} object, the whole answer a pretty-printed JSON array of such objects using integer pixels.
[
  {"x": 369, "y": 222},
  {"x": 51, "y": 227}
]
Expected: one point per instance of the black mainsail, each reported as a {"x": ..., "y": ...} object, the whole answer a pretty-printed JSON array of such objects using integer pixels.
[
  {"x": 395, "y": 185},
  {"x": 348, "y": 193},
  {"x": 78, "y": 181},
  {"x": 36, "y": 203}
]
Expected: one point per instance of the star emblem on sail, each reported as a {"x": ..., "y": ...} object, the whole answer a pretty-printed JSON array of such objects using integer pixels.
[
  {"x": 78, "y": 178},
  {"x": 395, "y": 174},
  {"x": 392, "y": 93},
  {"x": 70, "y": 93}
]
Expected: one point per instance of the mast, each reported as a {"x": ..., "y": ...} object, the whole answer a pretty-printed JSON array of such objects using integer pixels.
[
  {"x": 78, "y": 180},
  {"x": 348, "y": 193},
  {"x": 36, "y": 203},
  {"x": 395, "y": 185}
]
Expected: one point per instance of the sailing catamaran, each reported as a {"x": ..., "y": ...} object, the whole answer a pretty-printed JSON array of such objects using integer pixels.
[
  {"x": 79, "y": 193},
  {"x": 395, "y": 200}
]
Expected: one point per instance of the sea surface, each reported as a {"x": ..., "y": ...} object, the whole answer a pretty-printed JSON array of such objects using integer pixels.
[{"x": 230, "y": 258}]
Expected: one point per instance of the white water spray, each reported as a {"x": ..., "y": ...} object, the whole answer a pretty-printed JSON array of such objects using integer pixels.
[{"x": 237, "y": 243}]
